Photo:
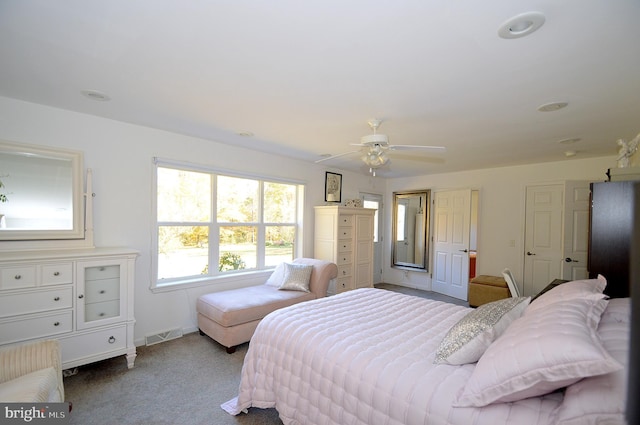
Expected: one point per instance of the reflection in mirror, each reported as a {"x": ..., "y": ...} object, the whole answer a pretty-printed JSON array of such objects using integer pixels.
[
  {"x": 40, "y": 193},
  {"x": 410, "y": 229}
]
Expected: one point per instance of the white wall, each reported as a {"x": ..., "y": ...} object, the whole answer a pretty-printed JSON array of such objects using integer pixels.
[
  {"x": 501, "y": 209},
  {"x": 120, "y": 155}
]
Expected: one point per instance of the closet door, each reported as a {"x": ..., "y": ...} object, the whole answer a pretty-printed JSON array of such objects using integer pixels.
[
  {"x": 576, "y": 230},
  {"x": 543, "y": 237}
]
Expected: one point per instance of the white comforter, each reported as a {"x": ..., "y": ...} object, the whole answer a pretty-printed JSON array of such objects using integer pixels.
[{"x": 366, "y": 357}]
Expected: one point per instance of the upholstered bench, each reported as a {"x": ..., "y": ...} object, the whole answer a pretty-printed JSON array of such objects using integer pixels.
[
  {"x": 485, "y": 289},
  {"x": 231, "y": 317}
]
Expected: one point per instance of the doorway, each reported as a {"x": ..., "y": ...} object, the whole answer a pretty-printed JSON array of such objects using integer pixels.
[
  {"x": 451, "y": 242},
  {"x": 455, "y": 241},
  {"x": 473, "y": 237},
  {"x": 374, "y": 201}
]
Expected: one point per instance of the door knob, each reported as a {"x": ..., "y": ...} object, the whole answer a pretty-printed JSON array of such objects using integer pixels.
[
  {"x": 530, "y": 253},
  {"x": 570, "y": 260},
  {"x": 463, "y": 250}
]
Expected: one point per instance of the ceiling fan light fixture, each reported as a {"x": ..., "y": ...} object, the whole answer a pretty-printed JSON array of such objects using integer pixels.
[
  {"x": 373, "y": 149},
  {"x": 373, "y": 139},
  {"x": 375, "y": 159}
]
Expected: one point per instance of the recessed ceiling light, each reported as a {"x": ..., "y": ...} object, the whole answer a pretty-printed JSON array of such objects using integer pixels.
[
  {"x": 569, "y": 141},
  {"x": 96, "y": 95},
  {"x": 521, "y": 25},
  {"x": 245, "y": 133},
  {"x": 569, "y": 154},
  {"x": 550, "y": 107}
]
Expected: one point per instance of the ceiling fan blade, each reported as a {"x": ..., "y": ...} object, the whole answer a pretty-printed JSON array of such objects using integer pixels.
[
  {"x": 335, "y": 156},
  {"x": 434, "y": 149}
]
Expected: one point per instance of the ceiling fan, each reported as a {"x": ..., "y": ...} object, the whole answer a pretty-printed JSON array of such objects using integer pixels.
[{"x": 374, "y": 148}]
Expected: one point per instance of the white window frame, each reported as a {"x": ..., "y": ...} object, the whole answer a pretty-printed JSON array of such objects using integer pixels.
[{"x": 227, "y": 276}]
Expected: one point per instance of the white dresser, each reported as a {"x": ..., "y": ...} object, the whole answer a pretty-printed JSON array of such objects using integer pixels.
[
  {"x": 82, "y": 297},
  {"x": 344, "y": 235}
]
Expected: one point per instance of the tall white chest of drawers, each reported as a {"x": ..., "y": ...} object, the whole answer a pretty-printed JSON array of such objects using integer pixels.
[
  {"x": 344, "y": 235},
  {"x": 81, "y": 297}
]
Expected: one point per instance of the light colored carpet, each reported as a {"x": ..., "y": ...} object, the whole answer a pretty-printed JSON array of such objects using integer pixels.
[{"x": 182, "y": 381}]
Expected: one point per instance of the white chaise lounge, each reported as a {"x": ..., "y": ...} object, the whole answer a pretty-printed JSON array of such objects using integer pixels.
[{"x": 231, "y": 317}]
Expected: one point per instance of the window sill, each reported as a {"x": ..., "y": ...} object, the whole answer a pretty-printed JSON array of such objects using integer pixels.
[{"x": 232, "y": 281}]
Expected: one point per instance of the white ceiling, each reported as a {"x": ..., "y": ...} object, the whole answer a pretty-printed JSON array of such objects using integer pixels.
[{"x": 305, "y": 76}]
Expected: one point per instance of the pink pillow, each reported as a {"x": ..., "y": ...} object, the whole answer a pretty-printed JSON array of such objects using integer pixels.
[
  {"x": 277, "y": 277},
  {"x": 602, "y": 399},
  {"x": 588, "y": 288},
  {"x": 547, "y": 349}
]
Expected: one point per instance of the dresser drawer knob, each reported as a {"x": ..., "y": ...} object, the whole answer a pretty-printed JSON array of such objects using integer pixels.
[
  {"x": 112, "y": 339},
  {"x": 101, "y": 314},
  {"x": 81, "y": 296},
  {"x": 56, "y": 324},
  {"x": 17, "y": 277},
  {"x": 344, "y": 272},
  {"x": 103, "y": 291},
  {"x": 56, "y": 299},
  {"x": 101, "y": 269},
  {"x": 56, "y": 273}
]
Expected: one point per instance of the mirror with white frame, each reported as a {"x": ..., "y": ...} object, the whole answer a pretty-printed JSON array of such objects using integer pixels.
[
  {"x": 410, "y": 249},
  {"x": 41, "y": 193}
]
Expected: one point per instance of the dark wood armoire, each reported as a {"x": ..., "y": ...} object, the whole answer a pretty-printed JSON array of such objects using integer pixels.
[
  {"x": 633, "y": 380},
  {"x": 610, "y": 234}
]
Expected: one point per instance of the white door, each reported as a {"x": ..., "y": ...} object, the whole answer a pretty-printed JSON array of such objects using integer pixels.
[
  {"x": 451, "y": 237},
  {"x": 576, "y": 230},
  {"x": 543, "y": 236},
  {"x": 374, "y": 201}
]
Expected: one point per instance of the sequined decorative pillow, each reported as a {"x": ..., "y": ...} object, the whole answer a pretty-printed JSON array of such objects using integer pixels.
[
  {"x": 468, "y": 339},
  {"x": 296, "y": 277}
]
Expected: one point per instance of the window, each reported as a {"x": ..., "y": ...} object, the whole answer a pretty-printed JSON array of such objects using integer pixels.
[
  {"x": 375, "y": 205},
  {"x": 401, "y": 226},
  {"x": 213, "y": 224}
]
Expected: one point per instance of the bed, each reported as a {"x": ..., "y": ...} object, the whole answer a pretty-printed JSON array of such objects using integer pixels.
[{"x": 372, "y": 356}]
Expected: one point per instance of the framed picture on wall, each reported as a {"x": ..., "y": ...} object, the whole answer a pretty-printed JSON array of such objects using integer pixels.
[{"x": 332, "y": 187}]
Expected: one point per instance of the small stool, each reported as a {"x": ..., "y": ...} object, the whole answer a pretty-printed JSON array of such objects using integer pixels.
[{"x": 485, "y": 289}]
